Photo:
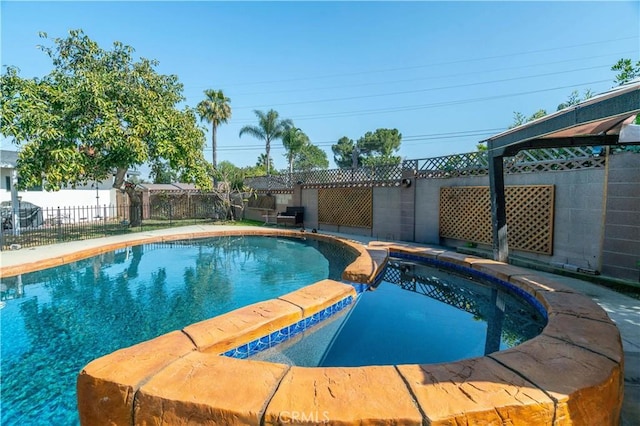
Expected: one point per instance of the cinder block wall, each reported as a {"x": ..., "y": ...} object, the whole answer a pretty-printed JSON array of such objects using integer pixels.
[
  {"x": 387, "y": 213},
  {"x": 578, "y": 214},
  {"x": 310, "y": 203},
  {"x": 621, "y": 244},
  {"x": 428, "y": 205},
  {"x": 596, "y": 218}
]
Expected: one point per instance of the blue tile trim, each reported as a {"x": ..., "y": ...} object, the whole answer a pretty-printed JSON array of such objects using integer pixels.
[
  {"x": 380, "y": 275},
  {"x": 285, "y": 333},
  {"x": 531, "y": 299},
  {"x": 359, "y": 287},
  {"x": 292, "y": 330}
]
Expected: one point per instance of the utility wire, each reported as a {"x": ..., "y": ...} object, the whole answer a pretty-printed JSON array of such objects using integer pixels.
[
  {"x": 389, "y": 82},
  {"x": 429, "y": 89},
  {"x": 427, "y": 106},
  {"x": 461, "y": 61},
  {"x": 412, "y": 138}
]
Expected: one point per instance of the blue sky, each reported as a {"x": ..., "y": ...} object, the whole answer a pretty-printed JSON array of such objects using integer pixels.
[{"x": 445, "y": 74}]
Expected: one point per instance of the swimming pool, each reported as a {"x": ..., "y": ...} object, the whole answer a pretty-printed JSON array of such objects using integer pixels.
[
  {"x": 571, "y": 372},
  {"x": 417, "y": 314},
  {"x": 57, "y": 320}
]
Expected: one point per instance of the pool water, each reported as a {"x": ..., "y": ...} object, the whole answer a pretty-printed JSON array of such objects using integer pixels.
[
  {"x": 417, "y": 315},
  {"x": 56, "y": 321}
]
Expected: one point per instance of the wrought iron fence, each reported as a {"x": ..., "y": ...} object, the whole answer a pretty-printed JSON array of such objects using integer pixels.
[{"x": 35, "y": 226}]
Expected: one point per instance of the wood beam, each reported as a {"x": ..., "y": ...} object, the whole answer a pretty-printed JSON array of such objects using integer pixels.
[
  {"x": 623, "y": 102},
  {"x": 498, "y": 207}
]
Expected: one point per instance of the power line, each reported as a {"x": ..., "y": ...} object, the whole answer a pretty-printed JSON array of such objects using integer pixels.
[
  {"x": 461, "y": 61},
  {"x": 427, "y": 106},
  {"x": 412, "y": 138},
  {"x": 455, "y": 86},
  {"x": 434, "y": 77}
]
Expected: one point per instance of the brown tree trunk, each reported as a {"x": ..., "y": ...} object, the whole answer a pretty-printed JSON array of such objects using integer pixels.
[
  {"x": 135, "y": 200},
  {"x": 214, "y": 146},
  {"x": 135, "y": 205}
]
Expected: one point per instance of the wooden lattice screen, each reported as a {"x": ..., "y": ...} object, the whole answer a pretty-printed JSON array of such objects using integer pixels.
[
  {"x": 465, "y": 214},
  {"x": 346, "y": 207}
]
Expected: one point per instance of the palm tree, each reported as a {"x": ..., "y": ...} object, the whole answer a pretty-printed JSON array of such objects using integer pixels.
[
  {"x": 262, "y": 162},
  {"x": 214, "y": 109},
  {"x": 293, "y": 140},
  {"x": 269, "y": 128}
]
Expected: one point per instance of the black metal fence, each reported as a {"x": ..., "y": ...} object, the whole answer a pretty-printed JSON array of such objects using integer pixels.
[{"x": 35, "y": 226}]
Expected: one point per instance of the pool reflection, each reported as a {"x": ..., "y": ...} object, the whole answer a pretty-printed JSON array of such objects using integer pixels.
[{"x": 57, "y": 320}]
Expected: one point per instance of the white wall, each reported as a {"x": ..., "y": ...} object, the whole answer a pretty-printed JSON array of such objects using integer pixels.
[
  {"x": 65, "y": 197},
  {"x": 83, "y": 202}
]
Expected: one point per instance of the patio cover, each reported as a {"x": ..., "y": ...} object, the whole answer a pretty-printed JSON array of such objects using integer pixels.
[{"x": 606, "y": 119}]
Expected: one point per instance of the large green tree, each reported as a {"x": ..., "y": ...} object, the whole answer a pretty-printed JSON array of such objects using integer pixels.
[
  {"x": 215, "y": 109},
  {"x": 161, "y": 173},
  {"x": 293, "y": 140},
  {"x": 230, "y": 173},
  {"x": 343, "y": 152},
  {"x": 310, "y": 157},
  {"x": 378, "y": 148},
  {"x": 262, "y": 165},
  {"x": 270, "y": 127},
  {"x": 99, "y": 113},
  {"x": 230, "y": 189},
  {"x": 373, "y": 149}
]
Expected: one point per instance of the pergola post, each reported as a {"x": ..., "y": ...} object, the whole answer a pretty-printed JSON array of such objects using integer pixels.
[
  {"x": 600, "y": 120},
  {"x": 498, "y": 207}
]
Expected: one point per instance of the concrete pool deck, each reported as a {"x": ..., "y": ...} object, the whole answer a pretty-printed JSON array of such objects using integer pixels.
[{"x": 624, "y": 311}]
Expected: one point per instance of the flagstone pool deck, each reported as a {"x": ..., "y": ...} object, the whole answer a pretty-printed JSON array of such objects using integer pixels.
[{"x": 575, "y": 372}]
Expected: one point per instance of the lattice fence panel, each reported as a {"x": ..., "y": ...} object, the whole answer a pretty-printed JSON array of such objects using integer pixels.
[
  {"x": 465, "y": 214},
  {"x": 457, "y": 165},
  {"x": 346, "y": 207},
  {"x": 530, "y": 217}
]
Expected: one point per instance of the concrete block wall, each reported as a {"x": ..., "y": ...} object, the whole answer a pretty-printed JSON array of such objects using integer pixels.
[
  {"x": 387, "y": 212},
  {"x": 596, "y": 218},
  {"x": 621, "y": 245},
  {"x": 310, "y": 202},
  {"x": 578, "y": 214},
  {"x": 427, "y": 217}
]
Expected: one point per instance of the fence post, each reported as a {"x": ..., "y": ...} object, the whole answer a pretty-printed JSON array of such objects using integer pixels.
[{"x": 59, "y": 223}]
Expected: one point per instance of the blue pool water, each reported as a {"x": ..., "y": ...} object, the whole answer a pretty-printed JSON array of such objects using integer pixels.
[
  {"x": 417, "y": 315},
  {"x": 56, "y": 321}
]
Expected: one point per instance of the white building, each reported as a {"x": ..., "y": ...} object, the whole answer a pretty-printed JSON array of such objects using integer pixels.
[{"x": 92, "y": 197}]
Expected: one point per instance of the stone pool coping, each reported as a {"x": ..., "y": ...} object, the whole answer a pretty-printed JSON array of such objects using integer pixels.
[
  {"x": 572, "y": 373},
  {"x": 362, "y": 270}
]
